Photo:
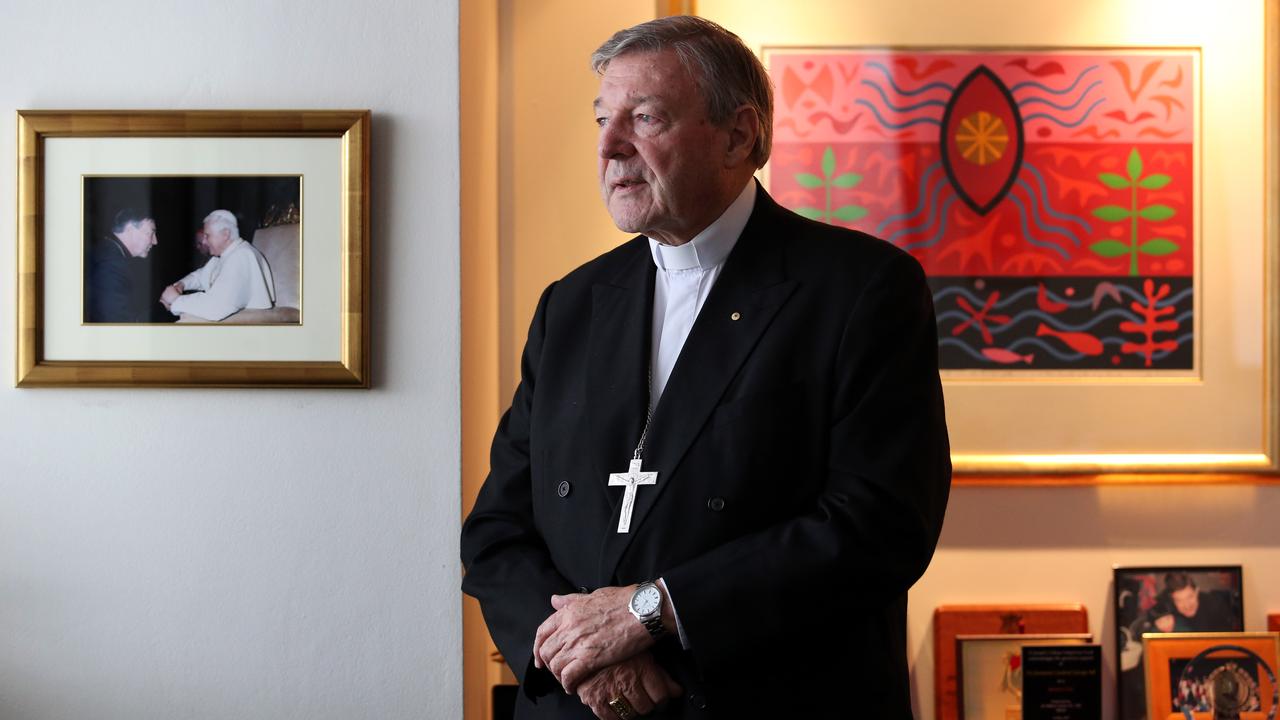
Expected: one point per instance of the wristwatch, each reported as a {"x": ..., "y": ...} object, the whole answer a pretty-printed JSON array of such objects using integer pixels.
[{"x": 646, "y": 605}]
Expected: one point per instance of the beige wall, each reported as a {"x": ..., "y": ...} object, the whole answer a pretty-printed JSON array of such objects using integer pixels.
[{"x": 553, "y": 218}]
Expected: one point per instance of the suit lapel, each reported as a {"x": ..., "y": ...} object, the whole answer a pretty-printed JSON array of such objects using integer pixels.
[
  {"x": 752, "y": 286},
  {"x": 617, "y": 380}
]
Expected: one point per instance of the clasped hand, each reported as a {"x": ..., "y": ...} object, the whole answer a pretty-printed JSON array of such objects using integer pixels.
[{"x": 597, "y": 649}]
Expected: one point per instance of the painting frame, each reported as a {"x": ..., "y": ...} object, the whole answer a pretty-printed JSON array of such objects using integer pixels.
[
  {"x": 1081, "y": 463},
  {"x": 344, "y": 358},
  {"x": 1162, "y": 649},
  {"x": 1133, "y": 620}
]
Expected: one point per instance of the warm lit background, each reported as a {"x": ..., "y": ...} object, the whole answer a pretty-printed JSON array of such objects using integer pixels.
[{"x": 531, "y": 212}]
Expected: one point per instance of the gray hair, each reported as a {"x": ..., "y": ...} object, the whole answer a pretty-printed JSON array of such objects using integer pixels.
[
  {"x": 728, "y": 75},
  {"x": 219, "y": 219}
]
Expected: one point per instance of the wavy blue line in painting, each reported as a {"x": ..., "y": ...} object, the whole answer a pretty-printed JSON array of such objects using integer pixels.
[
  {"x": 1035, "y": 216},
  {"x": 978, "y": 302},
  {"x": 1051, "y": 91},
  {"x": 1026, "y": 231},
  {"x": 1139, "y": 297},
  {"x": 952, "y": 342},
  {"x": 1052, "y": 321},
  {"x": 931, "y": 206},
  {"x": 897, "y": 126},
  {"x": 924, "y": 184},
  {"x": 1045, "y": 202},
  {"x": 906, "y": 108},
  {"x": 1084, "y": 302},
  {"x": 942, "y": 229},
  {"x": 909, "y": 93},
  {"x": 1056, "y": 106},
  {"x": 1060, "y": 123},
  {"x": 1017, "y": 346},
  {"x": 1166, "y": 353}
]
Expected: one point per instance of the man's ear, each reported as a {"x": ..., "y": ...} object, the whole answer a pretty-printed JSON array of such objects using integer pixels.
[{"x": 744, "y": 129}]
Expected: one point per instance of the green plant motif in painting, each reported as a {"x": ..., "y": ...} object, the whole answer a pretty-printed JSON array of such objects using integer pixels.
[
  {"x": 827, "y": 181},
  {"x": 1133, "y": 213}
]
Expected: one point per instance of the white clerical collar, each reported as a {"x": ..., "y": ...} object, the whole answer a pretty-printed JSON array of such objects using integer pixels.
[{"x": 710, "y": 247}]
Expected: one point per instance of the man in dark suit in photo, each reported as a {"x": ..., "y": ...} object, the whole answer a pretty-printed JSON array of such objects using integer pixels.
[
  {"x": 727, "y": 460},
  {"x": 119, "y": 283}
]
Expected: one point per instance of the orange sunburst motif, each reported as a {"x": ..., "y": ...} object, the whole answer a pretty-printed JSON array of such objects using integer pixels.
[{"x": 982, "y": 138}]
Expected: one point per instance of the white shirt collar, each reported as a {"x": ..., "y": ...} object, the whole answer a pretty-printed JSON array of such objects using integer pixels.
[{"x": 710, "y": 247}]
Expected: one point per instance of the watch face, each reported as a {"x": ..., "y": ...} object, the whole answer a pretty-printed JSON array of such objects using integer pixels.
[{"x": 646, "y": 600}]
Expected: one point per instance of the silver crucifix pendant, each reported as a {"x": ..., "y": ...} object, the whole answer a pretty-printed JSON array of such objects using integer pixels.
[{"x": 630, "y": 479}]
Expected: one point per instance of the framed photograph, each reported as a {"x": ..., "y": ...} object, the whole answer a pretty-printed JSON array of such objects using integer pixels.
[
  {"x": 1207, "y": 675},
  {"x": 1056, "y": 198},
  {"x": 1168, "y": 600},
  {"x": 204, "y": 248},
  {"x": 952, "y": 621},
  {"x": 991, "y": 671}
]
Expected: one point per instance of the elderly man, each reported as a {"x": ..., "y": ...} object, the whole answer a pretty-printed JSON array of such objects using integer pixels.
[
  {"x": 236, "y": 277},
  {"x": 119, "y": 287},
  {"x": 726, "y": 461}
]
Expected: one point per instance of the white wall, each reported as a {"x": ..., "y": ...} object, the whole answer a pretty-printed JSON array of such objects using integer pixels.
[{"x": 259, "y": 553}]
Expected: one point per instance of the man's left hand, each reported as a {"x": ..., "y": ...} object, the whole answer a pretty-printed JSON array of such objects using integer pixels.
[{"x": 588, "y": 633}]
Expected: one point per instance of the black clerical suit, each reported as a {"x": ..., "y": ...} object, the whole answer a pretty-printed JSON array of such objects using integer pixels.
[
  {"x": 803, "y": 471},
  {"x": 119, "y": 285}
]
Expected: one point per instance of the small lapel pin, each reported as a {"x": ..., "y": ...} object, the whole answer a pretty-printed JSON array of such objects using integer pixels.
[{"x": 736, "y": 316}]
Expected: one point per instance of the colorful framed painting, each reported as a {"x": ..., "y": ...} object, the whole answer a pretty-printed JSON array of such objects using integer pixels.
[
  {"x": 1169, "y": 599},
  {"x": 193, "y": 248},
  {"x": 952, "y": 621},
  {"x": 1209, "y": 675},
  {"x": 1076, "y": 212},
  {"x": 990, "y": 680}
]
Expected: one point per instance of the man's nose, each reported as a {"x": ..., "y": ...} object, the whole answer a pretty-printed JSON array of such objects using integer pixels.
[{"x": 615, "y": 142}]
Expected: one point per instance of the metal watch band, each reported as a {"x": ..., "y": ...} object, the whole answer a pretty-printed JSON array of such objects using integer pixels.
[{"x": 654, "y": 626}]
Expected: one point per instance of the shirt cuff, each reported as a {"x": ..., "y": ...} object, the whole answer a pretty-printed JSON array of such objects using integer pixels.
[{"x": 684, "y": 641}]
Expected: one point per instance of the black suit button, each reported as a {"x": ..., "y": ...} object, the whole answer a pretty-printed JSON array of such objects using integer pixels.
[
  {"x": 698, "y": 701},
  {"x": 563, "y": 488},
  {"x": 716, "y": 504}
]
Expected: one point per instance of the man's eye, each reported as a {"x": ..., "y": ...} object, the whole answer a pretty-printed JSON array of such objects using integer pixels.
[
  {"x": 600, "y": 121},
  {"x": 641, "y": 117}
]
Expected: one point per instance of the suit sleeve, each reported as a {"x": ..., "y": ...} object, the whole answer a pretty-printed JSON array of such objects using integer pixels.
[
  {"x": 508, "y": 567},
  {"x": 872, "y": 530}
]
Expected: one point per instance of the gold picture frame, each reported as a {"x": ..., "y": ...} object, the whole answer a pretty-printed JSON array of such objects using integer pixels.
[
  {"x": 331, "y": 349},
  {"x": 1093, "y": 438},
  {"x": 1196, "y": 658}
]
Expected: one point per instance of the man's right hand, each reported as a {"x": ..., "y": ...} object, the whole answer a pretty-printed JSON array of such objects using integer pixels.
[{"x": 640, "y": 680}]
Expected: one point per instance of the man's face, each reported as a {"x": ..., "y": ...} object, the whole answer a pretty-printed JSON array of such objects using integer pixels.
[
  {"x": 1187, "y": 600},
  {"x": 202, "y": 242},
  {"x": 138, "y": 238},
  {"x": 662, "y": 161},
  {"x": 215, "y": 239}
]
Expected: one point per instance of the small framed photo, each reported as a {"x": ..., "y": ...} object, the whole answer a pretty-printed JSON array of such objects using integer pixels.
[
  {"x": 952, "y": 621},
  {"x": 991, "y": 671},
  {"x": 203, "y": 248},
  {"x": 1168, "y": 599},
  {"x": 1205, "y": 675}
]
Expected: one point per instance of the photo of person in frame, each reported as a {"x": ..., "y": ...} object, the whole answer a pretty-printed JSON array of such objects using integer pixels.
[
  {"x": 1168, "y": 599},
  {"x": 242, "y": 266},
  {"x": 117, "y": 283}
]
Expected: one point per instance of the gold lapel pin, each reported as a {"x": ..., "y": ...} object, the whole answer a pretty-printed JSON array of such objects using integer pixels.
[{"x": 736, "y": 316}]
